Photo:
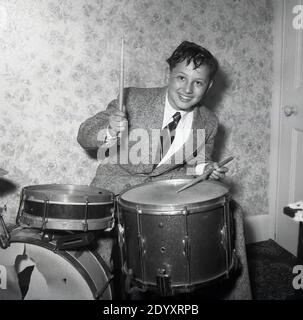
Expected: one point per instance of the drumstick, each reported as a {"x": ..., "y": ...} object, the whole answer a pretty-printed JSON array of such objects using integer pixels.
[
  {"x": 111, "y": 143},
  {"x": 121, "y": 85},
  {"x": 204, "y": 175}
]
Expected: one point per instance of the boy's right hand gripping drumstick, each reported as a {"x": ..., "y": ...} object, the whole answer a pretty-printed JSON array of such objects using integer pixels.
[
  {"x": 110, "y": 143},
  {"x": 204, "y": 175}
]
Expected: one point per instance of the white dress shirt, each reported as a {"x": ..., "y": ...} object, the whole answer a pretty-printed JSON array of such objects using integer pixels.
[{"x": 182, "y": 132}]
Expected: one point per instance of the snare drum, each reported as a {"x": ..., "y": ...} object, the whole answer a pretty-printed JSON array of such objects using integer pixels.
[
  {"x": 176, "y": 242},
  {"x": 66, "y": 207},
  {"x": 35, "y": 270}
]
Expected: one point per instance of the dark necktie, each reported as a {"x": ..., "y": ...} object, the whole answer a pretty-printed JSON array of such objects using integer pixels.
[{"x": 168, "y": 134}]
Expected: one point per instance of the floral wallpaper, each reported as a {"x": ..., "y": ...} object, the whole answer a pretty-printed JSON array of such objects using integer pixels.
[{"x": 60, "y": 64}]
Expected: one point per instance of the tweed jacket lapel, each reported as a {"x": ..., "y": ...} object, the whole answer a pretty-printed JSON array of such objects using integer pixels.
[
  {"x": 156, "y": 119},
  {"x": 147, "y": 116}
]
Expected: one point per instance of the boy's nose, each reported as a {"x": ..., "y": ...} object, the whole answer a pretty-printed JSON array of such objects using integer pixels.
[{"x": 189, "y": 88}]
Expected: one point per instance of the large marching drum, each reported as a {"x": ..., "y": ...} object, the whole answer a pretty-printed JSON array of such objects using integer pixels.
[{"x": 176, "y": 242}]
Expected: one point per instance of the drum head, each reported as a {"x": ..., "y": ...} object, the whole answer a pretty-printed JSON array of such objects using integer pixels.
[
  {"x": 163, "y": 193},
  {"x": 67, "y": 193}
]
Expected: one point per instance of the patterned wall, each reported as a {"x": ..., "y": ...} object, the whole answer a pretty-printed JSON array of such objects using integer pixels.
[{"x": 59, "y": 65}]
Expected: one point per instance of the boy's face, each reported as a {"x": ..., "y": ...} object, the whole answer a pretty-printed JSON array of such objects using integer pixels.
[{"x": 187, "y": 85}]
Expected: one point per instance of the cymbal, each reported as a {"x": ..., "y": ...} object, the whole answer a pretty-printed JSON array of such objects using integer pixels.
[{"x": 3, "y": 172}]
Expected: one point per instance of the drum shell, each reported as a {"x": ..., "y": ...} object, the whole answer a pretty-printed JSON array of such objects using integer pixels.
[
  {"x": 191, "y": 242},
  {"x": 68, "y": 211},
  {"x": 66, "y": 216},
  {"x": 78, "y": 274}
]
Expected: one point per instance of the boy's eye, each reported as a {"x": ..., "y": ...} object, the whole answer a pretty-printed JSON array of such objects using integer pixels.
[
  {"x": 199, "y": 83},
  {"x": 181, "y": 78}
]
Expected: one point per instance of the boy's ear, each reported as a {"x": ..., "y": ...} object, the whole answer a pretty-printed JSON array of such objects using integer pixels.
[{"x": 209, "y": 85}]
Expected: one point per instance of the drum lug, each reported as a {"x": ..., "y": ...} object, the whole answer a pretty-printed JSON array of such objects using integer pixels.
[
  {"x": 138, "y": 209},
  {"x": 141, "y": 239},
  {"x": 85, "y": 224},
  {"x": 185, "y": 211},
  {"x": 224, "y": 237},
  {"x": 186, "y": 247},
  {"x": 121, "y": 238},
  {"x": 142, "y": 244},
  {"x": 186, "y": 244},
  {"x": 45, "y": 214}
]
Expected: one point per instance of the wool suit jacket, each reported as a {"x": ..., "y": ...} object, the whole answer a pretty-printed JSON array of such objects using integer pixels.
[{"x": 145, "y": 109}]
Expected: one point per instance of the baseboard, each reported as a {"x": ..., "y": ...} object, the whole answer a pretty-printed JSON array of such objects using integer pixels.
[{"x": 256, "y": 228}]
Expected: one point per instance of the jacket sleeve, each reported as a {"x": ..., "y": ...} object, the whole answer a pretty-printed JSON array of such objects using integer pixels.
[
  {"x": 203, "y": 154},
  {"x": 89, "y": 131},
  {"x": 209, "y": 143}
]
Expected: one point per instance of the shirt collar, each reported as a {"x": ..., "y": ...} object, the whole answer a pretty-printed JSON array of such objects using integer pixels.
[{"x": 169, "y": 111}]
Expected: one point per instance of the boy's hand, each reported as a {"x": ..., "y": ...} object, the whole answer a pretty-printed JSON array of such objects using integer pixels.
[
  {"x": 218, "y": 172},
  {"x": 117, "y": 123}
]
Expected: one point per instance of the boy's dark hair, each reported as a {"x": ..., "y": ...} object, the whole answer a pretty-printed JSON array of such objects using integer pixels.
[{"x": 192, "y": 52}]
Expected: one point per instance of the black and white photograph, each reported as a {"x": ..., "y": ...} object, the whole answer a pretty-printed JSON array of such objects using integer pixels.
[{"x": 151, "y": 151}]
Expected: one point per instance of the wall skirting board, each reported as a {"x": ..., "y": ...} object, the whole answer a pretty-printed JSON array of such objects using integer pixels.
[{"x": 256, "y": 228}]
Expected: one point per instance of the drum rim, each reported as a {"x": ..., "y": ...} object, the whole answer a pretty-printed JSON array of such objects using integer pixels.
[
  {"x": 36, "y": 193},
  {"x": 38, "y": 222},
  {"x": 162, "y": 208}
]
